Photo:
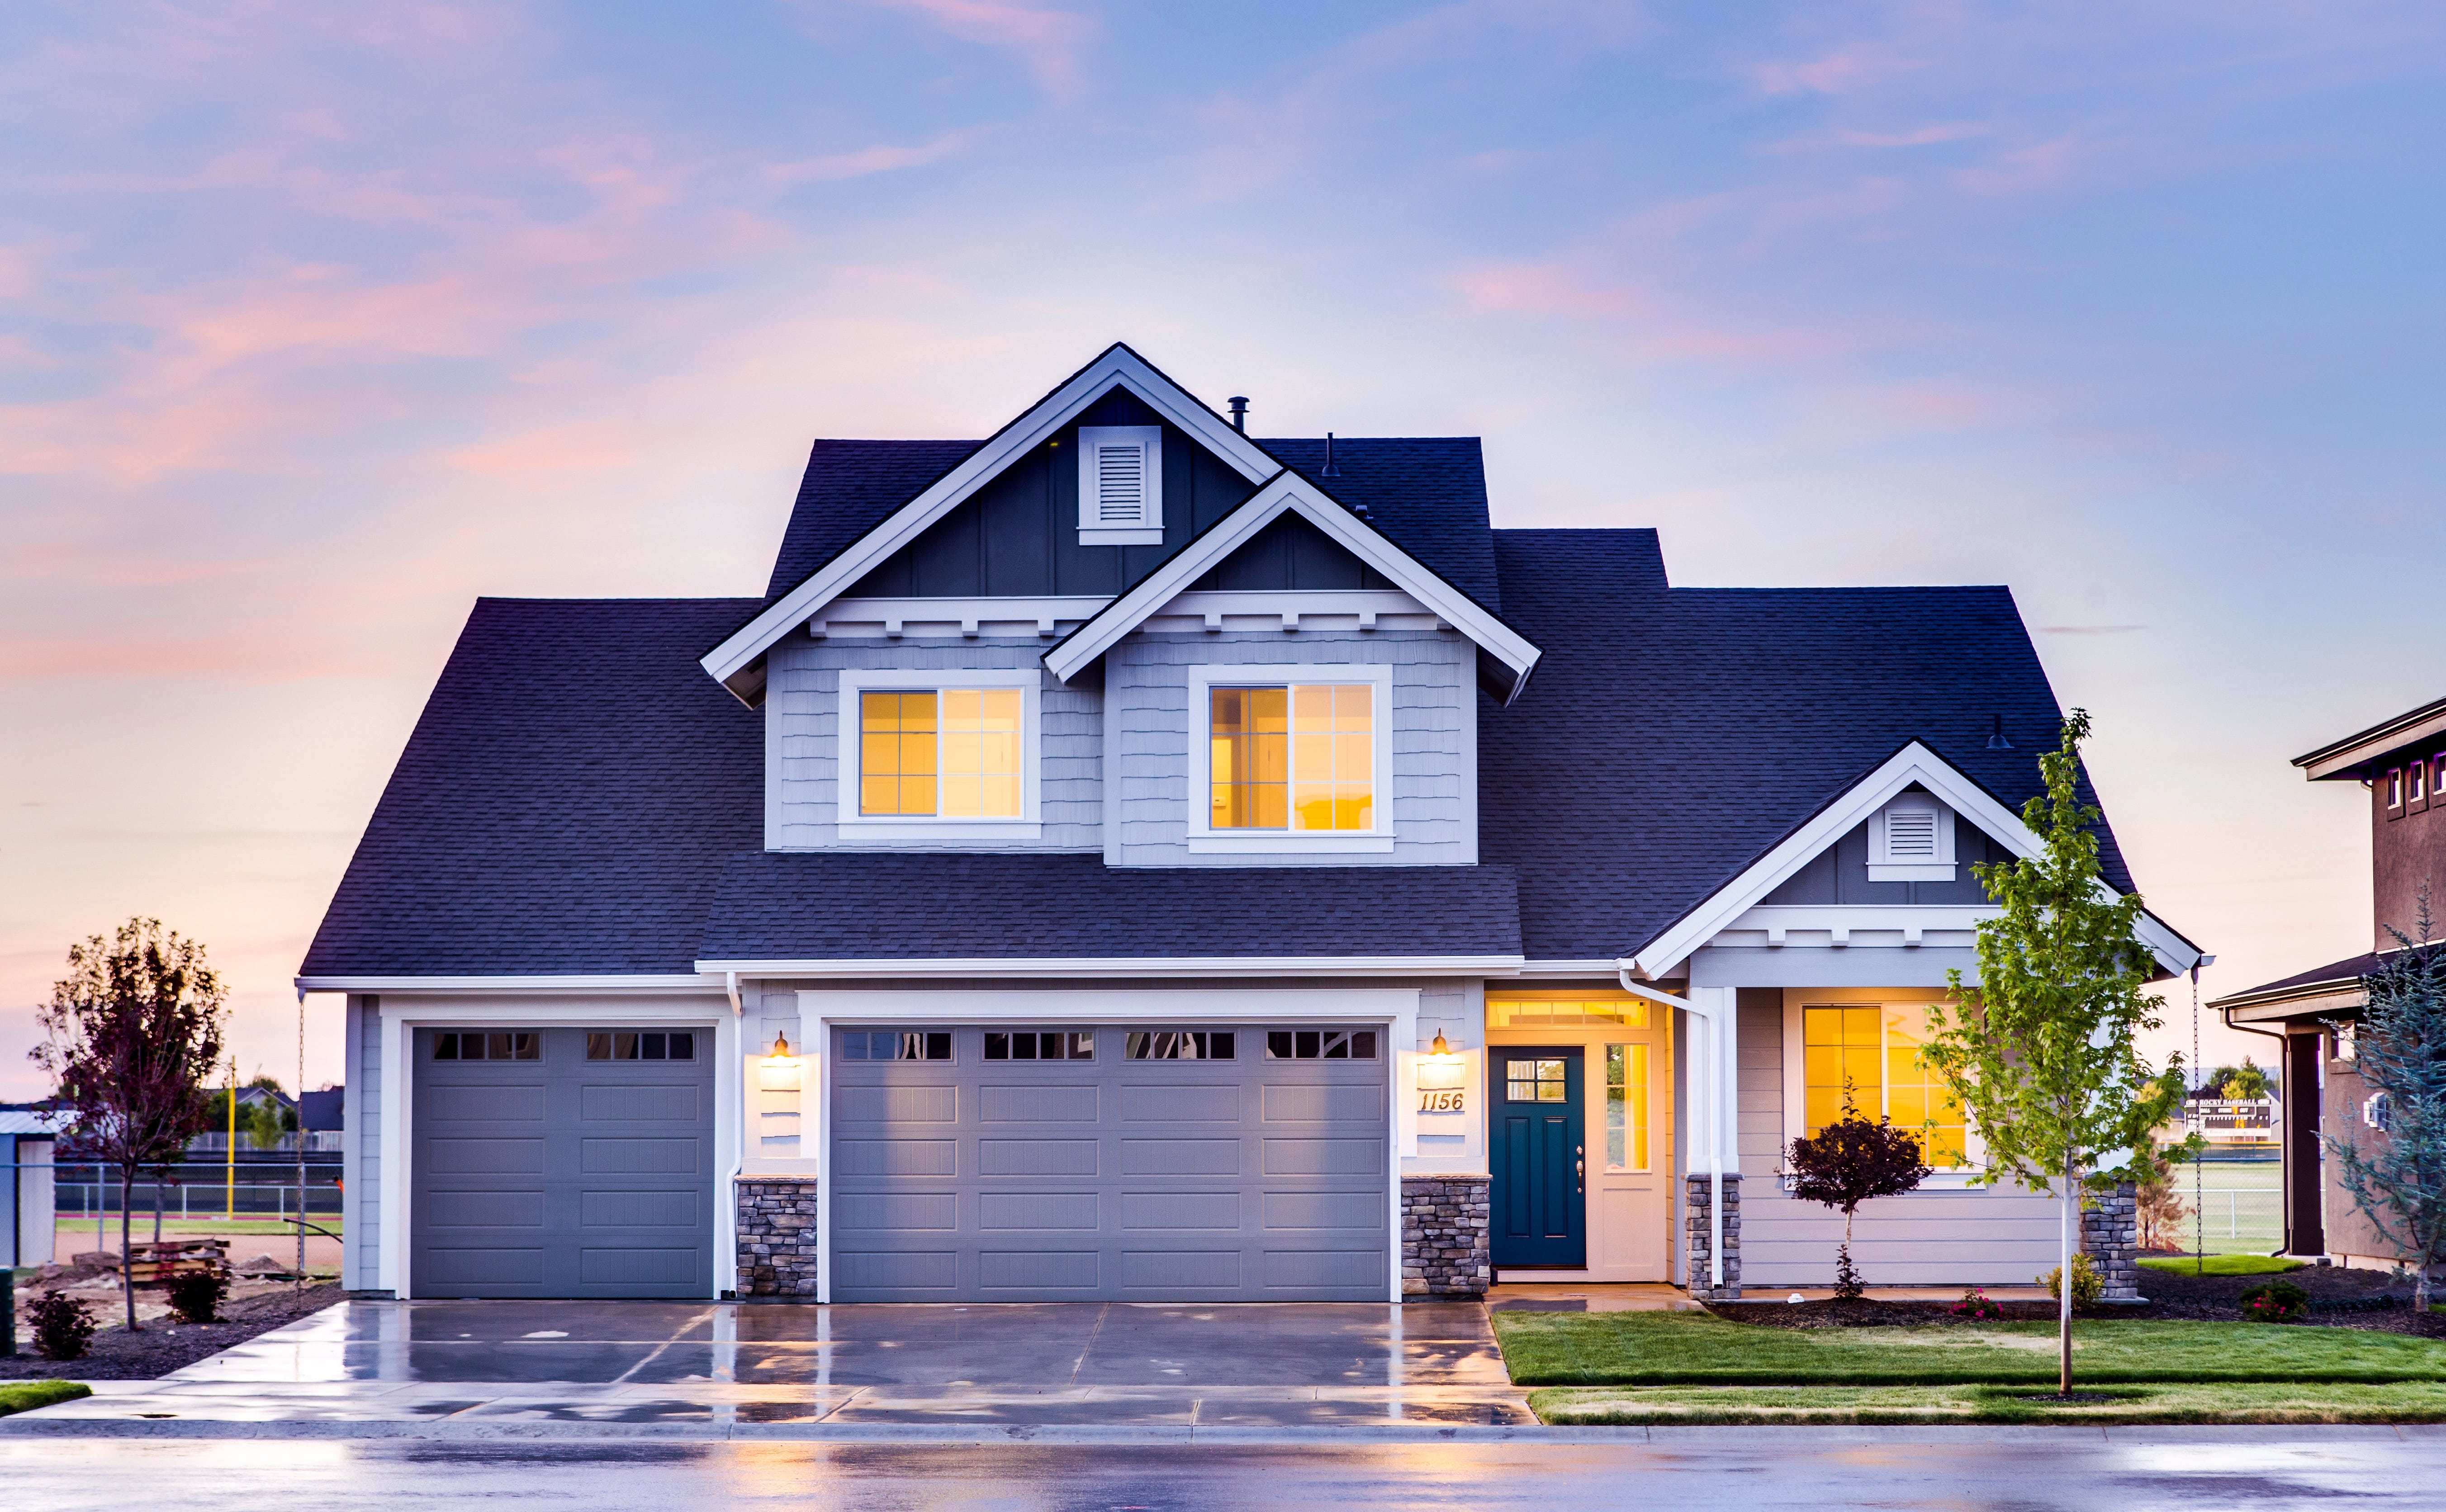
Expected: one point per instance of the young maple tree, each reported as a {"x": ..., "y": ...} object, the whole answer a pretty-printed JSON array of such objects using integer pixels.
[
  {"x": 2396, "y": 1168},
  {"x": 131, "y": 1036},
  {"x": 1851, "y": 1161},
  {"x": 2043, "y": 1053}
]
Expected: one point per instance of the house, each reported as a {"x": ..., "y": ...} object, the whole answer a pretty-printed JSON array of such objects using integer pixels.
[
  {"x": 1125, "y": 858},
  {"x": 2312, "y": 1014}
]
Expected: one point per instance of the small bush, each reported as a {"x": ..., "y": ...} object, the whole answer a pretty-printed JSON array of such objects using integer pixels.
[
  {"x": 1977, "y": 1305},
  {"x": 2086, "y": 1287},
  {"x": 62, "y": 1326},
  {"x": 195, "y": 1295},
  {"x": 2275, "y": 1302}
]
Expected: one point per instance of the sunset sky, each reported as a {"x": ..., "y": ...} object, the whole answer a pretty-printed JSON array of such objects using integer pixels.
[{"x": 318, "y": 321}]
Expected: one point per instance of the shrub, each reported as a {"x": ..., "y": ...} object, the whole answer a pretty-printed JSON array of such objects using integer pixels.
[
  {"x": 195, "y": 1295},
  {"x": 62, "y": 1326},
  {"x": 2275, "y": 1302},
  {"x": 2086, "y": 1287},
  {"x": 1976, "y": 1305}
]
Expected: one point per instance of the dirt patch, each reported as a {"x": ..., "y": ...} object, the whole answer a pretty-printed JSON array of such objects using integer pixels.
[{"x": 162, "y": 1346}]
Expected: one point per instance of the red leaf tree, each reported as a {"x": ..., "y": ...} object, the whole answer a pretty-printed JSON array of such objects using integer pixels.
[
  {"x": 1851, "y": 1161},
  {"x": 132, "y": 1035}
]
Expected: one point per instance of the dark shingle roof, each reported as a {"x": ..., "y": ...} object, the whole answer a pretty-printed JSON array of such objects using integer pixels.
[
  {"x": 564, "y": 804},
  {"x": 1673, "y": 736},
  {"x": 844, "y": 906},
  {"x": 1427, "y": 494},
  {"x": 2334, "y": 974}
]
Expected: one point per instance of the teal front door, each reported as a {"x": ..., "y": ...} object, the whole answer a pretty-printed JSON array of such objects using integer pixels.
[{"x": 1540, "y": 1165}]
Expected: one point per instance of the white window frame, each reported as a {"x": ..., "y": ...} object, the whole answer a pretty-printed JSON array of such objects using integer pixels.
[
  {"x": 1093, "y": 530},
  {"x": 1205, "y": 679},
  {"x": 850, "y": 748},
  {"x": 1884, "y": 868},
  {"x": 1796, "y": 1073}
]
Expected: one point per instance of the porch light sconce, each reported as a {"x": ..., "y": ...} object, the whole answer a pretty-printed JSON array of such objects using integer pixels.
[
  {"x": 1442, "y": 1050},
  {"x": 781, "y": 1056}
]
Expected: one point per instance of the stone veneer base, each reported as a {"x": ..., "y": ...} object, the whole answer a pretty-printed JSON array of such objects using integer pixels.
[
  {"x": 1444, "y": 1236},
  {"x": 777, "y": 1236},
  {"x": 1699, "y": 1197}
]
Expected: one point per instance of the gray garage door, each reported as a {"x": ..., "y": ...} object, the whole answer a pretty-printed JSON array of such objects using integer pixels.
[
  {"x": 1065, "y": 1163},
  {"x": 562, "y": 1163}
]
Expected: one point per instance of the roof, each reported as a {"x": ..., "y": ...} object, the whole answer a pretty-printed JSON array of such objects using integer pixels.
[
  {"x": 2321, "y": 984},
  {"x": 324, "y": 1109},
  {"x": 2348, "y": 756},
  {"x": 564, "y": 804},
  {"x": 1734, "y": 715},
  {"x": 851, "y": 906},
  {"x": 28, "y": 1121},
  {"x": 1427, "y": 494}
]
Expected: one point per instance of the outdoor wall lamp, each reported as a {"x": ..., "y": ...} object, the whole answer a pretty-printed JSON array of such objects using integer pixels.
[
  {"x": 781, "y": 1056},
  {"x": 1442, "y": 1050}
]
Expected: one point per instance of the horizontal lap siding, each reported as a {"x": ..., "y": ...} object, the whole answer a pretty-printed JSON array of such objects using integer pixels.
[
  {"x": 1434, "y": 735},
  {"x": 803, "y": 696},
  {"x": 2002, "y": 1238}
]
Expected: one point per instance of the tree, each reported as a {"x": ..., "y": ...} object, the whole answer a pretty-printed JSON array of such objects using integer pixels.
[
  {"x": 131, "y": 1034},
  {"x": 2041, "y": 1052},
  {"x": 2397, "y": 1172},
  {"x": 1851, "y": 1161},
  {"x": 2235, "y": 1083},
  {"x": 2157, "y": 1202}
]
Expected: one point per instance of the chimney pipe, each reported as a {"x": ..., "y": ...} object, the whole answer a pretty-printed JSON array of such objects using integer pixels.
[{"x": 1240, "y": 413}]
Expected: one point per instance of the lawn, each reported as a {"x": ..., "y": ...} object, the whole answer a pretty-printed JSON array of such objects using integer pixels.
[
  {"x": 2221, "y": 1265},
  {"x": 24, "y": 1396},
  {"x": 2248, "y": 1402},
  {"x": 1698, "y": 1349}
]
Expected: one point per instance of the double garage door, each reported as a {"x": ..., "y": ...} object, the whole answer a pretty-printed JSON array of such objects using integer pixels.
[
  {"x": 562, "y": 1163},
  {"x": 1076, "y": 1163}
]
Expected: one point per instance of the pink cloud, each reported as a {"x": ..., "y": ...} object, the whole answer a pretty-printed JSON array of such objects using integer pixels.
[
  {"x": 1846, "y": 70},
  {"x": 1049, "y": 42},
  {"x": 2024, "y": 170},
  {"x": 868, "y": 161}
]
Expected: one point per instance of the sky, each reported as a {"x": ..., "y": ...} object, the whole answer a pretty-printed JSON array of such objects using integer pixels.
[{"x": 316, "y": 321}]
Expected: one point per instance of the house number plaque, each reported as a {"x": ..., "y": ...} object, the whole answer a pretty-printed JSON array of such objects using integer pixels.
[{"x": 1443, "y": 1100}]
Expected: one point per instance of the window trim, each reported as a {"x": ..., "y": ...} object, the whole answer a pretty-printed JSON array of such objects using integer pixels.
[
  {"x": 1206, "y": 677},
  {"x": 1794, "y": 1112},
  {"x": 1884, "y": 868},
  {"x": 1149, "y": 529},
  {"x": 850, "y": 751}
]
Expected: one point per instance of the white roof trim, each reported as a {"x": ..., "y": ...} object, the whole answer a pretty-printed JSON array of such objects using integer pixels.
[
  {"x": 1912, "y": 763},
  {"x": 598, "y": 983},
  {"x": 1119, "y": 365},
  {"x": 1289, "y": 493},
  {"x": 1130, "y": 966}
]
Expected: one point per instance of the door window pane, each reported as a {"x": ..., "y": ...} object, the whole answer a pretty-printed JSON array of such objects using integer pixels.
[
  {"x": 1534, "y": 1081},
  {"x": 1626, "y": 1107}
]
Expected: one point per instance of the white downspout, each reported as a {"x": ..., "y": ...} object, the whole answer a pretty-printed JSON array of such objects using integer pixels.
[
  {"x": 1712, "y": 1100},
  {"x": 739, "y": 1164}
]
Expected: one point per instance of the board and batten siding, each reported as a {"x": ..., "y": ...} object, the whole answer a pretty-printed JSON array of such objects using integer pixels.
[
  {"x": 805, "y": 725},
  {"x": 361, "y": 1148},
  {"x": 1977, "y": 1237},
  {"x": 1433, "y": 734}
]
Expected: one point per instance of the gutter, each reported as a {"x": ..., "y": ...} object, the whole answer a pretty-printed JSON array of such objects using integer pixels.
[{"x": 1718, "y": 1085}]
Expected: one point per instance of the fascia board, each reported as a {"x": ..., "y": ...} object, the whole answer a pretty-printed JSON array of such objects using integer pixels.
[
  {"x": 1127, "y": 966},
  {"x": 1286, "y": 491},
  {"x": 1013, "y": 441},
  {"x": 1912, "y": 763},
  {"x": 496, "y": 984},
  {"x": 2345, "y": 755}
]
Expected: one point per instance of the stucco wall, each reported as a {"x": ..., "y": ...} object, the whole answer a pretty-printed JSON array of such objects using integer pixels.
[{"x": 2349, "y": 1231}]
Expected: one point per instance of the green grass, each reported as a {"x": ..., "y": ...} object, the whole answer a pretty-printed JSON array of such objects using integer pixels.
[
  {"x": 2221, "y": 1265},
  {"x": 24, "y": 1396},
  {"x": 1670, "y": 1349},
  {"x": 2252, "y": 1402}
]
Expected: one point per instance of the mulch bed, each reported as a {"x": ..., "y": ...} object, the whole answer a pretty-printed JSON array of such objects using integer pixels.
[
  {"x": 2339, "y": 1298},
  {"x": 162, "y": 1346}
]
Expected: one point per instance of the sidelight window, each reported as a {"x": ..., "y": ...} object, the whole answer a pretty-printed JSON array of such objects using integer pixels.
[{"x": 1625, "y": 1108}]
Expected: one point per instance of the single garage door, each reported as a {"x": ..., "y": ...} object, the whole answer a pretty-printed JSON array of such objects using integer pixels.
[
  {"x": 1065, "y": 1163},
  {"x": 562, "y": 1163}
]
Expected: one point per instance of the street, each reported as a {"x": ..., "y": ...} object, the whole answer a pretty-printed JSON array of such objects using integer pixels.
[{"x": 1754, "y": 1469}]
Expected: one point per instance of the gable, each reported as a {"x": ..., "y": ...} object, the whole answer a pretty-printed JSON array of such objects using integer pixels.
[
  {"x": 1017, "y": 535},
  {"x": 1840, "y": 874},
  {"x": 1290, "y": 556}
]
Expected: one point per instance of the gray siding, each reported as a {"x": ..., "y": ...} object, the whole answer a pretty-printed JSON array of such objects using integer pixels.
[
  {"x": 1760, "y": 1054},
  {"x": 361, "y": 1148},
  {"x": 1434, "y": 797},
  {"x": 803, "y": 702},
  {"x": 1839, "y": 873}
]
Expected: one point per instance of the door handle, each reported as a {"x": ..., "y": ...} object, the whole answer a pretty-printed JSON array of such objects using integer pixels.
[{"x": 1580, "y": 1168}]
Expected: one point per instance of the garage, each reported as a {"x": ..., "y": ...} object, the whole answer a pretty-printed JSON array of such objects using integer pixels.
[
  {"x": 1075, "y": 1163},
  {"x": 563, "y": 1162}
]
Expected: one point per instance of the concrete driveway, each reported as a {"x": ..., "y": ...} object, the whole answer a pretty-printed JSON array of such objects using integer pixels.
[{"x": 698, "y": 1367}]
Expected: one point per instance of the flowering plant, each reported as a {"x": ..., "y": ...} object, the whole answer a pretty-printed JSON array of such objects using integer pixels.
[{"x": 1976, "y": 1305}]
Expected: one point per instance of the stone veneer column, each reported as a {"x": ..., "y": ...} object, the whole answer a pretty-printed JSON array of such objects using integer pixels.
[
  {"x": 777, "y": 1236},
  {"x": 2110, "y": 1235},
  {"x": 1699, "y": 1189},
  {"x": 1443, "y": 1235}
]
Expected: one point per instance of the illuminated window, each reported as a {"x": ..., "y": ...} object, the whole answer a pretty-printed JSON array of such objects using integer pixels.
[
  {"x": 1626, "y": 1107},
  {"x": 1535, "y": 1081},
  {"x": 1568, "y": 1010},
  {"x": 1300, "y": 757},
  {"x": 950, "y": 753},
  {"x": 1869, "y": 1057}
]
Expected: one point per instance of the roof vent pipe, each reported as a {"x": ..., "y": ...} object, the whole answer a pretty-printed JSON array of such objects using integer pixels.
[
  {"x": 1240, "y": 413},
  {"x": 1996, "y": 741},
  {"x": 1327, "y": 471}
]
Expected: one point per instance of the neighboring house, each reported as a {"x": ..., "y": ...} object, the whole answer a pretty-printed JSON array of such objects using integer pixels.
[
  {"x": 1122, "y": 858},
  {"x": 2312, "y": 1014},
  {"x": 29, "y": 1137}
]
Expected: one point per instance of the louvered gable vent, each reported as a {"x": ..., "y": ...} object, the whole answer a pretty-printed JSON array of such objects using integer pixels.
[
  {"x": 1912, "y": 840},
  {"x": 1911, "y": 834},
  {"x": 1120, "y": 485}
]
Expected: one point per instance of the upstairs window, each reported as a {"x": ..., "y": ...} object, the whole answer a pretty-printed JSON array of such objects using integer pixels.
[
  {"x": 1293, "y": 757},
  {"x": 1120, "y": 485},
  {"x": 952, "y": 752},
  {"x": 1912, "y": 840}
]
